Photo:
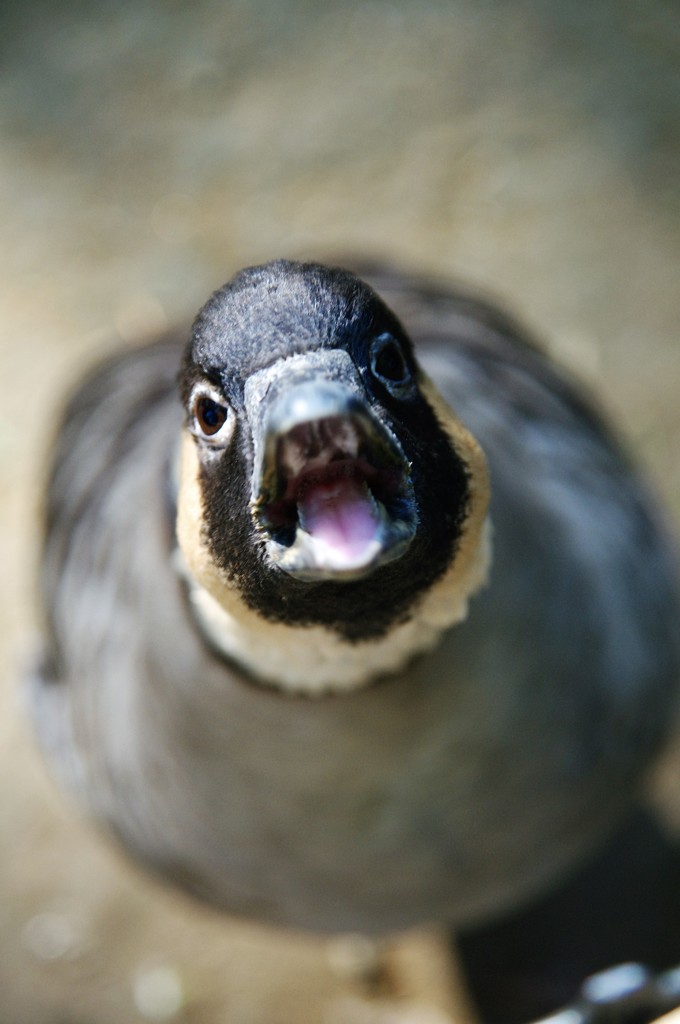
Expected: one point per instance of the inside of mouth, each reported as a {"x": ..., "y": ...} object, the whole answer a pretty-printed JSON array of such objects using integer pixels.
[
  {"x": 330, "y": 485},
  {"x": 339, "y": 510}
]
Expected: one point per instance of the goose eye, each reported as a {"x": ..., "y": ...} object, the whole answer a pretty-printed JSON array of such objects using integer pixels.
[
  {"x": 388, "y": 362},
  {"x": 209, "y": 415}
]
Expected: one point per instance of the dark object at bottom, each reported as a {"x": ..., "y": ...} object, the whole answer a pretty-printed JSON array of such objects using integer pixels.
[
  {"x": 623, "y": 909},
  {"x": 625, "y": 994}
]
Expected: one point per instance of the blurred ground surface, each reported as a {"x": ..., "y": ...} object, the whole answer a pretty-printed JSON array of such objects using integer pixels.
[{"x": 146, "y": 152}]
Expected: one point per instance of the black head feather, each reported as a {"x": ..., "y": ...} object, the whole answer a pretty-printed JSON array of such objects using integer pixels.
[{"x": 260, "y": 319}]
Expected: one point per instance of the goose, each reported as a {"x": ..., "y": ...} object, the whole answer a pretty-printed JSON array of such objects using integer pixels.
[{"x": 356, "y": 613}]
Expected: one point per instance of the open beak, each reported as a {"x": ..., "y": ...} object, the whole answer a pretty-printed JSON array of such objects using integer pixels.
[{"x": 332, "y": 493}]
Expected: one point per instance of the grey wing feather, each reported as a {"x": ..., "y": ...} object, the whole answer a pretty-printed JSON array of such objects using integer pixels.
[
  {"x": 90, "y": 506},
  {"x": 576, "y": 638},
  {"x": 557, "y": 467}
]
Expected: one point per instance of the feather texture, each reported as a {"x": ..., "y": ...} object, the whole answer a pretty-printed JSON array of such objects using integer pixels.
[{"x": 459, "y": 786}]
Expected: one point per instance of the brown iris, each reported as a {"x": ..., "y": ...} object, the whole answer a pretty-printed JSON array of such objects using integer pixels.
[{"x": 210, "y": 415}]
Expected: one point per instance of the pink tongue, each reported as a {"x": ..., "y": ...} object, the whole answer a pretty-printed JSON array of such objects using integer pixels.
[{"x": 341, "y": 513}]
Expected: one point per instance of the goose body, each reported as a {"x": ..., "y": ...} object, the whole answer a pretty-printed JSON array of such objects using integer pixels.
[{"x": 411, "y": 704}]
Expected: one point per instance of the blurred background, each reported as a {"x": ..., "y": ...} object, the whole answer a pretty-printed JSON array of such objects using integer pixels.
[{"x": 147, "y": 151}]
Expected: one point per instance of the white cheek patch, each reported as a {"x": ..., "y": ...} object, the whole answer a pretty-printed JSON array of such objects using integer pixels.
[{"x": 314, "y": 660}]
